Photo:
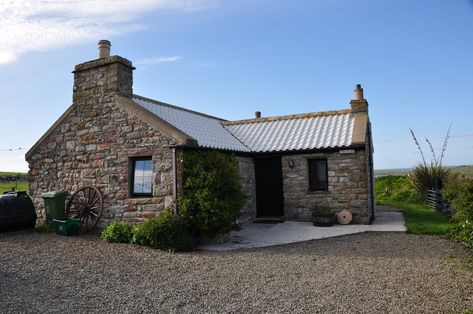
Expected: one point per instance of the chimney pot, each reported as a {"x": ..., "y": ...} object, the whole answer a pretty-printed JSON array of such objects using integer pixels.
[
  {"x": 104, "y": 49},
  {"x": 358, "y": 92},
  {"x": 258, "y": 114}
]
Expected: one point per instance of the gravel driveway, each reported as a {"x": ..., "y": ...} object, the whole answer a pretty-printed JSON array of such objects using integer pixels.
[{"x": 362, "y": 273}]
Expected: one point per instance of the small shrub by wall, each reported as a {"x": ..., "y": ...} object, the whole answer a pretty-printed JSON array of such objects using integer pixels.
[
  {"x": 117, "y": 232},
  {"x": 168, "y": 232},
  {"x": 212, "y": 196}
]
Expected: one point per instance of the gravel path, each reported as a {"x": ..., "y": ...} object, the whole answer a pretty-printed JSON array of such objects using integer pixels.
[{"x": 363, "y": 273}]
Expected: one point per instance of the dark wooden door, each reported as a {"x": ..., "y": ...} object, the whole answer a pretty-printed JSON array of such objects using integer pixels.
[{"x": 269, "y": 190}]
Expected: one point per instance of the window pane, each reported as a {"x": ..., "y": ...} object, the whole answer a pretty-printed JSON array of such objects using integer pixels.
[
  {"x": 318, "y": 174},
  {"x": 143, "y": 176},
  {"x": 322, "y": 174}
]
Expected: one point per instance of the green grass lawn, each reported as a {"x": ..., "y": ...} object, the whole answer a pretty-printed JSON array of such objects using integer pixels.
[
  {"x": 421, "y": 219},
  {"x": 7, "y": 186}
]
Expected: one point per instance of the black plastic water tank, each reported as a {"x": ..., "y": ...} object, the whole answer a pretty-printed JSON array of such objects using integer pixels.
[{"x": 16, "y": 212}]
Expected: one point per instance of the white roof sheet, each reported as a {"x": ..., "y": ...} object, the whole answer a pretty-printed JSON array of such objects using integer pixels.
[
  {"x": 314, "y": 132},
  {"x": 207, "y": 130}
]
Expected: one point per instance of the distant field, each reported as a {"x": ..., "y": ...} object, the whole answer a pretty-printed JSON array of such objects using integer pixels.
[
  {"x": 7, "y": 186},
  {"x": 466, "y": 170},
  {"x": 4, "y": 174}
]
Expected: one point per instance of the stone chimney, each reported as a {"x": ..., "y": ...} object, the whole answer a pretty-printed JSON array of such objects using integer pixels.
[
  {"x": 358, "y": 103},
  {"x": 258, "y": 114},
  {"x": 99, "y": 80}
]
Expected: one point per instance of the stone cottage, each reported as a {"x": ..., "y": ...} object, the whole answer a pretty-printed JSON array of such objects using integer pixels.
[{"x": 129, "y": 147}]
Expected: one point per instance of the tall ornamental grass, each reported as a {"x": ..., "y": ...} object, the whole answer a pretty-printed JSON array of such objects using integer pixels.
[{"x": 430, "y": 175}]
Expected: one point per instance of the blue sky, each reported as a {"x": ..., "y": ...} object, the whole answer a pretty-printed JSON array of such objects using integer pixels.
[{"x": 414, "y": 60}]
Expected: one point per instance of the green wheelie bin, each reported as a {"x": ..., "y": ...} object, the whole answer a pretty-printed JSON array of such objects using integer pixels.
[{"x": 55, "y": 204}]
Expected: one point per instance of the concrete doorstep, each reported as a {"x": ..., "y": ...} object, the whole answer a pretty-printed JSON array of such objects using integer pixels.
[{"x": 254, "y": 235}]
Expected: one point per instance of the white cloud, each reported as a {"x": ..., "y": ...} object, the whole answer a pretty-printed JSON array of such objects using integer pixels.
[
  {"x": 159, "y": 60},
  {"x": 35, "y": 25}
]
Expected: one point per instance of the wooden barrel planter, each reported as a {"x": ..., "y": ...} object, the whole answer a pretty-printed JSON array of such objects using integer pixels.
[{"x": 323, "y": 220}]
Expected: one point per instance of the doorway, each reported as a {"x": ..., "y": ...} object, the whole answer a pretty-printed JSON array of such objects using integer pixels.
[{"x": 269, "y": 187}]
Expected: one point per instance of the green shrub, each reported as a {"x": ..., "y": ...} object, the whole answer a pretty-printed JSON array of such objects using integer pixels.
[
  {"x": 463, "y": 233},
  {"x": 168, "y": 232},
  {"x": 459, "y": 192},
  {"x": 117, "y": 232},
  {"x": 212, "y": 196},
  {"x": 397, "y": 189}
]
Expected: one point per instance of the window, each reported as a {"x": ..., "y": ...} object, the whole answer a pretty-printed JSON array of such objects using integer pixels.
[
  {"x": 141, "y": 176},
  {"x": 318, "y": 176}
]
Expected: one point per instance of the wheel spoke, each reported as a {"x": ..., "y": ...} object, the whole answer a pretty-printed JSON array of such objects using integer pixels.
[{"x": 91, "y": 199}]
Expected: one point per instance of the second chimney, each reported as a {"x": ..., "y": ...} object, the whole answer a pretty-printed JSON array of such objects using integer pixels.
[
  {"x": 358, "y": 92},
  {"x": 358, "y": 103},
  {"x": 104, "y": 49},
  {"x": 258, "y": 114}
]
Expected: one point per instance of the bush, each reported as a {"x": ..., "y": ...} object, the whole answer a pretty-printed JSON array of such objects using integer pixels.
[
  {"x": 212, "y": 196},
  {"x": 459, "y": 192},
  {"x": 118, "y": 232},
  {"x": 168, "y": 232},
  {"x": 397, "y": 189},
  {"x": 463, "y": 233},
  {"x": 427, "y": 177}
]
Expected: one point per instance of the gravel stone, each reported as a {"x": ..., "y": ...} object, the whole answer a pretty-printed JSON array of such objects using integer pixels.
[{"x": 362, "y": 273}]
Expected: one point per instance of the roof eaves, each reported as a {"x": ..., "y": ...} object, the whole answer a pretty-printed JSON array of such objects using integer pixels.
[{"x": 288, "y": 117}]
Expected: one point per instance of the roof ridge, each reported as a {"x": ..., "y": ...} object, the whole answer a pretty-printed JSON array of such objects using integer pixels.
[
  {"x": 177, "y": 107},
  {"x": 288, "y": 117}
]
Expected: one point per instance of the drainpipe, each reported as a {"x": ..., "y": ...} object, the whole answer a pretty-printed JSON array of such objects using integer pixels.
[
  {"x": 371, "y": 162},
  {"x": 174, "y": 181}
]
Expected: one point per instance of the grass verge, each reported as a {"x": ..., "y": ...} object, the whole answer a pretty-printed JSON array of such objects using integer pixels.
[
  {"x": 421, "y": 219},
  {"x": 7, "y": 186}
]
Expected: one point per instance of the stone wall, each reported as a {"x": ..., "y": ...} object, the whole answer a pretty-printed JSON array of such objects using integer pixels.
[
  {"x": 246, "y": 167},
  {"x": 347, "y": 185},
  {"x": 93, "y": 145}
]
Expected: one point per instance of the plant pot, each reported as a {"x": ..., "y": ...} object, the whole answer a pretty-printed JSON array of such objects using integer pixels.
[{"x": 323, "y": 220}]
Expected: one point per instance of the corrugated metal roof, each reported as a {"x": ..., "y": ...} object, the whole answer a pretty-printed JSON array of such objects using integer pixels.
[
  {"x": 207, "y": 130},
  {"x": 299, "y": 133}
]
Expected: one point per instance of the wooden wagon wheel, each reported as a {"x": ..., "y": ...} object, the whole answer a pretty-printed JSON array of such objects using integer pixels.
[{"x": 86, "y": 204}]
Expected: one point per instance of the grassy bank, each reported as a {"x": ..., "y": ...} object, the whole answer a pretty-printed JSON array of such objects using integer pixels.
[
  {"x": 421, "y": 219},
  {"x": 398, "y": 192}
]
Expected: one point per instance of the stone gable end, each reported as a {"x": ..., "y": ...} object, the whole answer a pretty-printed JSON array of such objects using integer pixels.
[{"x": 93, "y": 146}]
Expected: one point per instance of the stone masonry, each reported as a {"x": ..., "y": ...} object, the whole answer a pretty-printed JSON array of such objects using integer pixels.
[
  {"x": 94, "y": 141},
  {"x": 246, "y": 168},
  {"x": 347, "y": 186}
]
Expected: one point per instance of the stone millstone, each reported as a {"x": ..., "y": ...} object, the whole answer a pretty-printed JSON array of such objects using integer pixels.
[{"x": 344, "y": 217}]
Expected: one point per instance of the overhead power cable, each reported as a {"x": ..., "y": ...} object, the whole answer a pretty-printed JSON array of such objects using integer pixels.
[{"x": 12, "y": 149}]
